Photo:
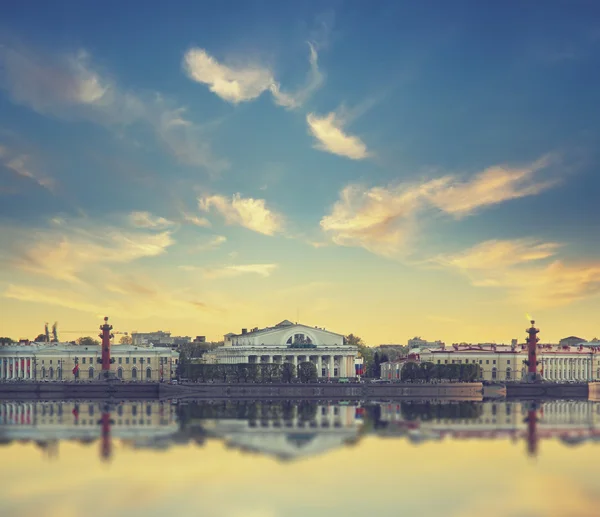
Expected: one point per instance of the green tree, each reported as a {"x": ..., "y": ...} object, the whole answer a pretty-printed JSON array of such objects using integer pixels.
[
  {"x": 126, "y": 340},
  {"x": 5, "y": 341},
  {"x": 88, "y": 341},
  {"x": 288, "y": 372},
  {"x": 366, "y": 352},
  {"x": 427, "y": 371},
  {"x": 410, "y": 371},
  {"x": 307, "y": 372}
]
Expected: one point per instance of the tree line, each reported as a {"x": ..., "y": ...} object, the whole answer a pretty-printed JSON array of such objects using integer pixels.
[
  {"x": 248, "y": 372},
  {"x": 429, "y": 371}
]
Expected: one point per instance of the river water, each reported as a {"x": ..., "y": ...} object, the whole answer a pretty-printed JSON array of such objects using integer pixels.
[{"x": 300, "y": 458}]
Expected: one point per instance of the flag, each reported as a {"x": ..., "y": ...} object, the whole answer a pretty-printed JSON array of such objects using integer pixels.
[
  {"x": 76, "y": 369},
  {"x": 75, "y": 412}
]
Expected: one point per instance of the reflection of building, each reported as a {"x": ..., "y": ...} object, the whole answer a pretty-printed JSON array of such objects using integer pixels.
[
  {"x": 330, "y": 427},
  {"x": 289, "y": 342},
  {"x": 49, "y": 422},
  {"x": 570, "y": 421},
  {"x": 64, "y": 361}
]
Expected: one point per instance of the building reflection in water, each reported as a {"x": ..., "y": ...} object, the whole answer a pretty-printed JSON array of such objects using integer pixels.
[{"x": 288, "y": 430}]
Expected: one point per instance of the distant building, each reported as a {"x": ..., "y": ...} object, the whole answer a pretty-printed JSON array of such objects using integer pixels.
[
  {"x": 64, "y": 361},
  {"x": 159, "y": 338},
  {"x": 417, "y": 342},
  {"x": 292, "y": 343},
  {"x": 571, "y": 341}
]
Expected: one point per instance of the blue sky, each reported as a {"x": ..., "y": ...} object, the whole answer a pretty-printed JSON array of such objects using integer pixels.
[{"x": 386, "y": 168}]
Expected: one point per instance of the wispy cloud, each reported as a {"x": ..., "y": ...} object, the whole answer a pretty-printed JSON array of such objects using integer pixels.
[
  {"x": 263, "y": 270},
  {"x": 381, "y": 219},
  {"x": 21, "y": 164},
  {"x": 247, "y": 212},
  {"x": 147, "y": 220},
  {"x": 202, "y": 222},
  {"x": 528, "y": 270},
  {"x": 328, "y": 131},
  {"x": 71, "y": 249},
  {"x": 236, "y": 83},
  {"x": 214, "y": 243},
  {"x": 69, "y": 87}
]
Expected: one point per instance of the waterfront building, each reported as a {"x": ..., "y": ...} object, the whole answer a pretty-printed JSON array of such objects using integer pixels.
[
  {"x": 571, "y": 341},
  {"x": 65, "y": 361},
  {"x": 507, "y": 362},
  {"x": 289, "y": 342}
]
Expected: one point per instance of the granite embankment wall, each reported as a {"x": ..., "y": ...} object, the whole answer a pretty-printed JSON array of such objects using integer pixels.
[
  {"x": 458, "y": 391},
  {"x": 550, "y": 390}
]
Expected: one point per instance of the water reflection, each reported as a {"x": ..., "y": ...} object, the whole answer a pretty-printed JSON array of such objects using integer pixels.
[{"x": 289, "y": 430}]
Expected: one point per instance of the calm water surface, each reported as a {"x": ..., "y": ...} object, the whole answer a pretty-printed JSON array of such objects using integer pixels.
[{"x": 299, "y": 458}]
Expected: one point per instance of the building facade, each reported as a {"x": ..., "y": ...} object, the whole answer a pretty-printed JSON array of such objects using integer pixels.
[
  {"x": 508, "y": 363},
  {"x": 289, "y": 342},
  {"x": 64, "y": 361}
]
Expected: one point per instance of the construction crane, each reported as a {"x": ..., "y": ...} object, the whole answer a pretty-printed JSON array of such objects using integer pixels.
[{"x": 89, "y": 332}]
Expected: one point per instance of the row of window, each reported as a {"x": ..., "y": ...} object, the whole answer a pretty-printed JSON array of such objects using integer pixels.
[{"x": 474, "y": 361}]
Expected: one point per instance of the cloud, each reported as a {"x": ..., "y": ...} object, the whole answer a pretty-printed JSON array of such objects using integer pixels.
[
  {"x": 202, "y": 222},
  {"x": 331, "y": 138},
  {"x": 246, "y": 82},
  {"x": 247, "y": 212},
  {"x": 381, "y": 219},
  {"x": 214, "y": 243},
  {"x": 68, "y": 87},
  {"x": 71, "y": 249},
  {"x": 21, "y": 164},
  {"x": 528, "y": 270},
  {"x": 263, "y": 270},
  {"x": 497, "y": 254},
  {"x": 147, "y": 220},
  {"x": 492, "y": 186}
]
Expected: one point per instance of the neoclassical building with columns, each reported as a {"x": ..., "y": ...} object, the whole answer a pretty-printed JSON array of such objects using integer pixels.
[{"x": 289, "y": 342}]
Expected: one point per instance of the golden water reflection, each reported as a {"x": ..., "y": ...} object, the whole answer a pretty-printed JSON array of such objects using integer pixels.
[{"x": 247, "y": 459}]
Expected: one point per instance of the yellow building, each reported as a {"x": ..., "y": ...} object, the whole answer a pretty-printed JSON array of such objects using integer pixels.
[{"x": 64, "y": 361}]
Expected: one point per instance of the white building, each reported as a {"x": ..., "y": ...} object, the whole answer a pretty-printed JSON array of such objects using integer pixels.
[
  {"x": 57, "y": 361},
  {"x": 507, "y": 363},
  {"x": 289, "y": 342}
]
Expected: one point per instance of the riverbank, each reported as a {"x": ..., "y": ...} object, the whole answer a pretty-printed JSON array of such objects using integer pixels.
[{"x": 349, "y": 391}]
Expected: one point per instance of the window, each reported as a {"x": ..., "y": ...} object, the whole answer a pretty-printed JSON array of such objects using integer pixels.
[
  {"x": 120, "y": 360},
  {"x": 43, "y": 372},
  {"x": 134, "y": 373},
  {"x": 127, "y": 360},
  {"x": 50, "y": 372},
  {"x": 148, "y": 360},
  {"x": 487, "y": 361},
  {"x": 83, "y": 360},
  {"x": 148, "y": 373},
  {"x": 466, "y": 361},
  {"x": 494, "y": 361},
  {"x": 148, "y": 410},
  {"x": 494, "y": 372},
  {"x": 508, "y": 362},
  {"x": 91, "y": 372},
  {"x": 50, "y": 361},
  {"x": 439, "y": 362},
  {"x": 446, "y": 361},
  {"x": 480, "y": 361},
  {"x": 120, "y": 373},
  {"x": 134, "y": 360},
  {"x": 134, "y": 410}
]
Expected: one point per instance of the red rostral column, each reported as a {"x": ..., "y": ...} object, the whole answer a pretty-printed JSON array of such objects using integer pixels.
[
  {"x": 532, "y": 342},
  {"x": 106, "y": 337}
]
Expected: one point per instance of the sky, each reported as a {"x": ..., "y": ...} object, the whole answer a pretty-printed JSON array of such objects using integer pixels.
[{"x": 388, "y": 169}]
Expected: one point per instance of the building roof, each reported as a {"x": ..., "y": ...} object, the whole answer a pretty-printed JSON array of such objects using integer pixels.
[
  {"x": 51, "y": 348},
  {"x": 280, "y": 326}
]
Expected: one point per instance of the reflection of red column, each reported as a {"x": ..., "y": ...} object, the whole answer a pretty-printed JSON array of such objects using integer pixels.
[
  {"x": 532, "y": 437},
  {"x": 105, "y": 451},
  {"x": 106, "y": 337}
]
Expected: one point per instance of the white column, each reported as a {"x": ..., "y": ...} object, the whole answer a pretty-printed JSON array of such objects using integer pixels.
[
  {"x": 319, "y": 366},
  {"x": 12, "y": 362},
  {"x": 269, "y": 359}
]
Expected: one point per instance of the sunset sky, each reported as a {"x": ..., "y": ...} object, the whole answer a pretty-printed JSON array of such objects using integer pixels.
[{"x": 389, "y": 169}]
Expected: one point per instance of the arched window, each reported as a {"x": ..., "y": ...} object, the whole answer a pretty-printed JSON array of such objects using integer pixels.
[
  {"x": 50, "y": 373},
  {"x": 59, "y": 374},
  {"x": 91, "y": 372},
  {"x": 494, "y": 373},
  {"x": 43, "y": 372},
  {"x": 508, "y": 373},
  {"x": 134, "y": 373},
  {"x": 148, "y": 373},
  {"x": 120, "y": 373},
  {"x": 299, "y": 339}
]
